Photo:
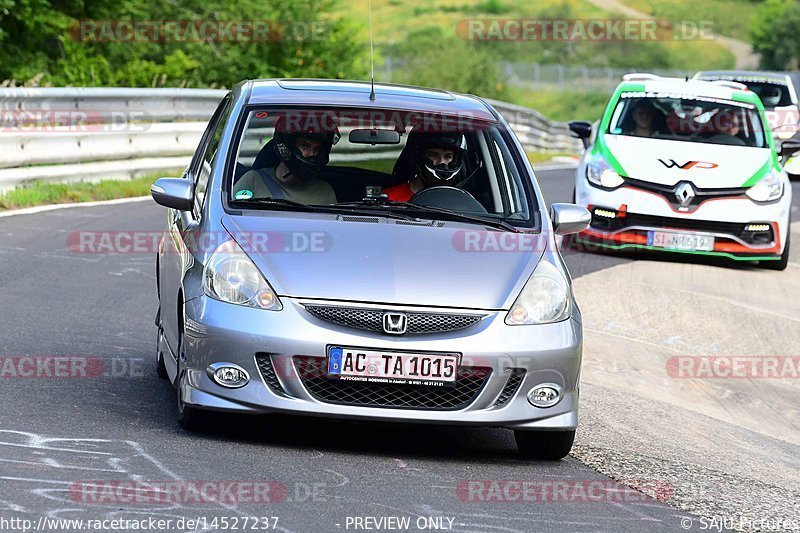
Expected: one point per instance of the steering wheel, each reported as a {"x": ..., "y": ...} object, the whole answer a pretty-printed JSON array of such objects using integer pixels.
[{"x": 447, "y": 197}]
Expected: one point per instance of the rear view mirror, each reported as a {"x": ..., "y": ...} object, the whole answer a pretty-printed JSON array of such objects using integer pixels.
[
  {"x": 374, "y": 137},
  {"x": 177, "y": 193},
  {"x": 582, "y": 130}
]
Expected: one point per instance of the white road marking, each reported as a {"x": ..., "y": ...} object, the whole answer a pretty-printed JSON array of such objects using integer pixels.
[{"x": 55, "y": 207}]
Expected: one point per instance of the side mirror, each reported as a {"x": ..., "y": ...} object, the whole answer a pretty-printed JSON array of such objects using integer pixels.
[
  {"x": 177, "y": 193},
  {"x": 569, "y": 218},
  {"x": 582, "y": 130},
  {"x": 789, "y": 147}
]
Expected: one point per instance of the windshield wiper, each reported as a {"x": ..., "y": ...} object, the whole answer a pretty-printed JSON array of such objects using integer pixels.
[
  {"x": 451, "y": 214},
  {"x": 335, "y": 208}
]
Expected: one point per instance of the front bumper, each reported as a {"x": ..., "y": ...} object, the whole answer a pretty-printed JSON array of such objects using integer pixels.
[
  {"x": 220, "y": 332},
  {"x": 638, "y": 212}
]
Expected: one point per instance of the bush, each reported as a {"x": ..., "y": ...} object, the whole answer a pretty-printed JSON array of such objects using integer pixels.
[
  {"x": 430, "y": 58},
  {"x": 774, "y": 34}
]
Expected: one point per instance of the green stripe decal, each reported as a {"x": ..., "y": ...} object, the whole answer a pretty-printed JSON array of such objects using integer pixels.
[
  {"x": 747, "y": 98},
  {"x": 632, "y": 87},
  {"x": 600, "y": 146},
  {"x": 760, "y": 173},
  {"x": 693, "y": 252}
]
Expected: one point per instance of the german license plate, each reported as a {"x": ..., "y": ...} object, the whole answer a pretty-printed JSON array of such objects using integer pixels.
[
  {"x": 408, "y": 368},
  {"x": 680, "y": 241}
]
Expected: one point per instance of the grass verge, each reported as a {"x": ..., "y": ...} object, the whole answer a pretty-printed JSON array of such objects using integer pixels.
[
  {"x": 726, "y": 17},
  {"x": 564, "y": 106},
  {"x": 43, "y": 193}
]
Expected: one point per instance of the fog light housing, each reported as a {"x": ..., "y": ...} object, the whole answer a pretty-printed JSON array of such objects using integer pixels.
[
  {"x": 228, "y": 375},
  {"x": 545, "y": 395}
]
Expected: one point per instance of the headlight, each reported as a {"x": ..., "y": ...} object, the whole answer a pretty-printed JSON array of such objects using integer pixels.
[
  {"x": 230, "y": 276},
  {"x": 769, "y": 188},
  {"x": 599, "y": 173},
  {"x": 544, "y": 298}
]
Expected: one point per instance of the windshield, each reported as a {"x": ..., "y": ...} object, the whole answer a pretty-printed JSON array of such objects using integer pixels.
[
  {"x": 773, "y": 92},
  {"x": 692, "y": 119},
  {"x": 379, "y": 160}
]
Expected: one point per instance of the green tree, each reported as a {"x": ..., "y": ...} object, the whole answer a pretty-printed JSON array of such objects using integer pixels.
[
  {"x": 775, "y": 34},
  {"x": 41, "y": 39}
]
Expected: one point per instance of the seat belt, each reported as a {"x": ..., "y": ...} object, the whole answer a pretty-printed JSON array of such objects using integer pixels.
[{"x": 274, "y": 190}]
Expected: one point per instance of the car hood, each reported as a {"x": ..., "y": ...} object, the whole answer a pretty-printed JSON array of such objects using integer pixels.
[
  {"x": 386, "y": 262},
  {"x": 705, "y": 165}
]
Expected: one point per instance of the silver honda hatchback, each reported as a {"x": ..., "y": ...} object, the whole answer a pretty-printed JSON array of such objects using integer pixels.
[{"x": 385, "y": 253}]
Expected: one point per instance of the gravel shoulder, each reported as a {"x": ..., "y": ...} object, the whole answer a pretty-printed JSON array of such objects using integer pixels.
[{"x": 728, "y": 446}]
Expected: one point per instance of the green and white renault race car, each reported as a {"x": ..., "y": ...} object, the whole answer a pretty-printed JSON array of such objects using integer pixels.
[{"x": 684, "y": 166}]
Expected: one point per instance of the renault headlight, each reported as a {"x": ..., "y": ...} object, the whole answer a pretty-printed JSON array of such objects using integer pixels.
[
  {"x": 769, "y": 188},
  {"x": 599, "y": 173},
  {"x": 230, "y": 276},
  {"x": 544, "y": 299}
]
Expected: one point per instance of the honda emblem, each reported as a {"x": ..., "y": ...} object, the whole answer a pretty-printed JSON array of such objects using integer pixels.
[{"x": 395, "y": 323}]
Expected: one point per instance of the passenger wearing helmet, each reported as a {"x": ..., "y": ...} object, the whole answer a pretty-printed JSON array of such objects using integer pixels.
[
  {"x": 300, "y": 154},
  {"x": 770, "y": 96},
  {"x": 434, "y": 159}
]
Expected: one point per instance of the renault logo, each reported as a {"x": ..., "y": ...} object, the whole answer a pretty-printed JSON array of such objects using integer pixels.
[
  {"x": 395, "y": 323},
  {"x": 685, "y": 194}
]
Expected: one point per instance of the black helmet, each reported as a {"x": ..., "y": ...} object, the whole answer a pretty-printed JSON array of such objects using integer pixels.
[
  {"x": 444, "y": 173},
  {"x": 285, "y": 143}
]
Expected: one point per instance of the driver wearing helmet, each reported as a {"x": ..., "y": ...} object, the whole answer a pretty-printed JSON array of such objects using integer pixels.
[
  {"x": 301, "y": 153},
  {"x": 434, "y": 158}
]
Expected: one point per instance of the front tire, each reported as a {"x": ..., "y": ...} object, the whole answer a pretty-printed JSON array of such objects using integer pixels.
[
  {"x": 190, "y": 418},
  {"x": 781, "y": 263},
  {"x": 161, "y": 369},
  {"x": 544, "y": 445}
]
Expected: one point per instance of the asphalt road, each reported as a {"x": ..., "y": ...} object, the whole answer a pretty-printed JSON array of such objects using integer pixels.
[{"x": 56, "y": 433}]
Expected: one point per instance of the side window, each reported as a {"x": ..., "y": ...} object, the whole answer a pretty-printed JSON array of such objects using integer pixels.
[
  {"x": 208, "y": 153},
  {"x": 509, "y": 177}
]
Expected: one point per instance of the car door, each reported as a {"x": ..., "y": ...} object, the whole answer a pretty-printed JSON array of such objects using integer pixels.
[{"x": 174, "y": 256}]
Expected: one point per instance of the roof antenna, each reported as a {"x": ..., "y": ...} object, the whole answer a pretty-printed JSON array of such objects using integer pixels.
[{"x": 371, "y": 56}]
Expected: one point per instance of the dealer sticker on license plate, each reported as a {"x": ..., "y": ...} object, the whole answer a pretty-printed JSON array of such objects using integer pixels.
[
  {"x": 359, "y": 364},
  {"x": 680, "y": 241}
]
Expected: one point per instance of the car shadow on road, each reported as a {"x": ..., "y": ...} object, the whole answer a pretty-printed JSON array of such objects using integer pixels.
[{"x": 420, "y": 441}]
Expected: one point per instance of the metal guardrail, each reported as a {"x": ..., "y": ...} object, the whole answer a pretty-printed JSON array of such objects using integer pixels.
[
  {"x": 158, "y": 105},
  {"x": 535, "y": 131},
  {"x": 118, "y": 133}
]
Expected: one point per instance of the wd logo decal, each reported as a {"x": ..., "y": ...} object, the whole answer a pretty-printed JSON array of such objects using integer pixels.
[{"x": 671, "y": 163}]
